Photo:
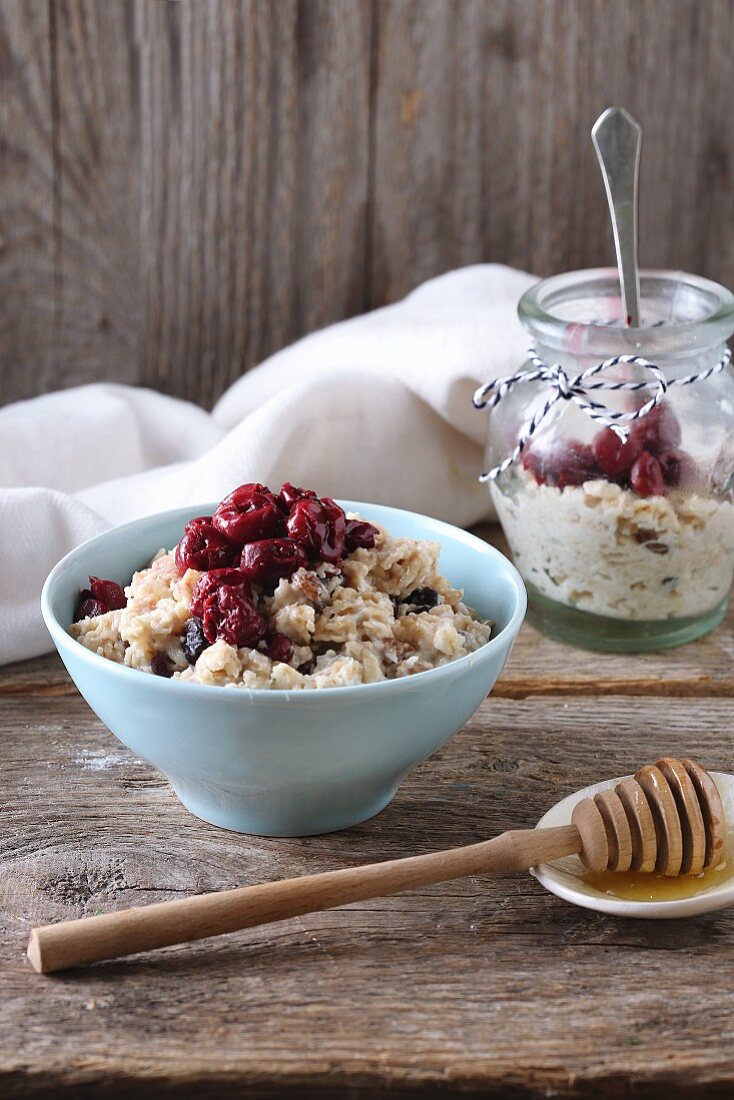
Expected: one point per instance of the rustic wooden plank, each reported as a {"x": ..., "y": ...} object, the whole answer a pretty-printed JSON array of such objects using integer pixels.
[
  {"x": 254, "y": 201},
  {"x": 481, "y": 985},
  {"x": 68, "y": 268},
  {"x": 27, "y": 199},
  {"x": 100, "y": 300},
  {"x": 191, "y": 186},
  {"x": 203, "y": 185},
  {"x": 483, "y": 114}
]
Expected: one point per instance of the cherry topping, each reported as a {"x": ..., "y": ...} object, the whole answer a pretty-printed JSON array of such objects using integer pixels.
[
  {"x": 215, "y": 578},
  {"x": 575, "y": 465},
  {"x": 534, "y": 464},
  {"x": 657, "y": 431},
  {"x": 267, "y": 560},
  {"x": 320, "y": 527},
  {"x": 250, "y": 512},
  {"x": 87, "y": 607},
  {"x": 108, "y": 592},
  {"x": 278, "y": 648},
  {"x": 101, "y": 596},
  {"x": 646, "y": 476},
  {"x": 614, "y": 455},
  {"x": 203, "y": 547},
  {"x": 290, "y": 494},
  {"x": 193, "y": 640},
  {"x": 569, "y": 463},
  {"x": 359, "y": 535},
  {"x": 230, "y": 615},
  {"x": 678, "y": 468}
]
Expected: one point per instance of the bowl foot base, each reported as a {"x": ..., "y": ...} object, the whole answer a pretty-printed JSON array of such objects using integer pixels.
[{"x": 239, "y": 814}]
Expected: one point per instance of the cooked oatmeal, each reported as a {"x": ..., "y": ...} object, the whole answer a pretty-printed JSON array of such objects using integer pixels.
[{"x": 381, "y": 612}]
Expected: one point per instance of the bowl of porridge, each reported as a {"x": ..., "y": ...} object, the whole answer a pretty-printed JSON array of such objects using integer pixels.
[{"x": 283, "y": 659}]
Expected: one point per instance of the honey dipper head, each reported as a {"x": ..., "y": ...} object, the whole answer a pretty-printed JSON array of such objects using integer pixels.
[{"x": 669, "y": 818}]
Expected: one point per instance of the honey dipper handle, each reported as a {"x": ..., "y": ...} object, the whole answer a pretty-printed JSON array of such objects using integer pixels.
[{"x": 77, "y": 942}]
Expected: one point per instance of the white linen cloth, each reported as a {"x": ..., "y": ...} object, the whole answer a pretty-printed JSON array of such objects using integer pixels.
[{"x": 376, "y": 408}]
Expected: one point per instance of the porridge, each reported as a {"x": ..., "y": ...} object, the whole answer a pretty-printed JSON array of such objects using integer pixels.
[
  {"x": 601, "y": 548},
  {"x": 621, "y": 529},
  {"x": 282, "y": 591}
]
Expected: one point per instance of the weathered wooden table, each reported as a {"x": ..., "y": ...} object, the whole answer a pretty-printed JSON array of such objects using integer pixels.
[{"x": 484, "y": 986}]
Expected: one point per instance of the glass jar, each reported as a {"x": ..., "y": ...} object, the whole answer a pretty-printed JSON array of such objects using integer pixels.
[{"x": 623, "y": 547}]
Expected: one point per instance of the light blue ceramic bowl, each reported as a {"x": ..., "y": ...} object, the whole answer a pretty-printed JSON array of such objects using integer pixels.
[{"x": 286, "y": 763}]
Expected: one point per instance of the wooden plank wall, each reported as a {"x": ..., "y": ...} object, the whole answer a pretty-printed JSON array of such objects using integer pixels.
[{"x": 187, "y": 187}]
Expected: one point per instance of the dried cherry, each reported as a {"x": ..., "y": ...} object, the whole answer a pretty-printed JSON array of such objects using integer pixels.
[
  {"x": 203, "y": 547},
  {"x": 267, "y": 560},
  {"x": 230, "y": 615},
  {"x": 678, "y": 468},
  {"x": 657, "y": 431},
  {"x": 248, "y": 513},
  {"x": 646, "y": 476},
  {"x": 359, "y": 535},
  {"x": 320, "y": 528},
  {"x": 613, "y": 455},
  {"x": 278, "y": 648},
  {"x": 87, "y": 607},
  {"x": 215, "y": 578},
  {"x": 291, "y": 494},
  {"x": 108, "y": 592}
]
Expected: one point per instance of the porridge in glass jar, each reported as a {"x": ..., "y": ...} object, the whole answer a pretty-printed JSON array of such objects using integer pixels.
[{"x": 625, "y": 540}]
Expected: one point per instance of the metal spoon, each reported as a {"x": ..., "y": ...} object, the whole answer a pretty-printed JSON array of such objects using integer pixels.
[{"x": 617, "y": 139}]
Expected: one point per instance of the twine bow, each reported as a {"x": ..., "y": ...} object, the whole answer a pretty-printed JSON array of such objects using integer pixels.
[{"x": 577, "y": 388}]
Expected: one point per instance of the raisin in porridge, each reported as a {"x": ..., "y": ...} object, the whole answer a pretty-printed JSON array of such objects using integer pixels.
[{"x": 282, "y": 591}]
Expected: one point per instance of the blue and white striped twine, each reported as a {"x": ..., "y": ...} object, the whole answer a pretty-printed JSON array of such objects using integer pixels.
[{"x": 576, "y": 388}]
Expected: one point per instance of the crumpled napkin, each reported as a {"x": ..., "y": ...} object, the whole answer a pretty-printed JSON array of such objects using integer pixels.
[{"x": 377, "y": 408}]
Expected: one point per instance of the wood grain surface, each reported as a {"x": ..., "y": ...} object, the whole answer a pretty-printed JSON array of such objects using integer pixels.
[
  {"x": 187, "y": 187},
  {"x": 484, "y": 986}
]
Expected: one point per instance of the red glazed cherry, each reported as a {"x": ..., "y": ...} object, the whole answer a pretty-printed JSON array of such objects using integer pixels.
[
  {"x": 657, "y": 431},
  {"x": 613, "y": 455},
  {"x": 320, "y": 527},
  {"x": 250, "y": 512},
  {"x": 215, "y": 578},
  {"x": 88, "y": 608},
  {"x": 203, "y": 547},
  {"x": 359, "y": 535},
  {"x": 646, "y": 476},
  {"x": 289, "y": 494},
  {"x": 278, "y": 648},
  {"x": 534, "y": 464},
  {"x": 267, "y": 560},
  {"x": 108, "y": 592},
  {"x": 569, "y": 463},
  {"x": 678, "y": 468},
  {"x": 574, "y": 465},
  {"x": 228, "y": 614}
]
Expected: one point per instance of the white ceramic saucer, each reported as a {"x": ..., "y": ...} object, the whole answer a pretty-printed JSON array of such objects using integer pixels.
[{"x": 563, "y": 876}]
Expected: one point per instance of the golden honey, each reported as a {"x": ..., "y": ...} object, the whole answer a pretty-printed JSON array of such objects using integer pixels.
[{"x": 634, "y": 886}]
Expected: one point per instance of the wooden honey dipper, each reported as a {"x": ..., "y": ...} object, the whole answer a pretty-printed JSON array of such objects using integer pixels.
[{"x": 668, "y": 819}]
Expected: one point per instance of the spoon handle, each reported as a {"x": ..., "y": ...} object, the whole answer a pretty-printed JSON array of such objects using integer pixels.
[
  {"x": 617, "y": 139},
  {"x": 77, "y": 942}
]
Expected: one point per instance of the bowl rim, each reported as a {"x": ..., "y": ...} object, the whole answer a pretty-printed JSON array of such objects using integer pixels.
[{"x": 62, "y": 638}]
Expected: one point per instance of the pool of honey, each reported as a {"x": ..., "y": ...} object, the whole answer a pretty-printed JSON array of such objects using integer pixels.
[{"x": 633, "y": 886}]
